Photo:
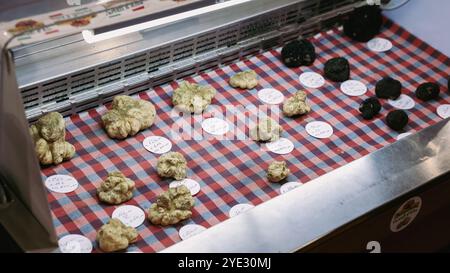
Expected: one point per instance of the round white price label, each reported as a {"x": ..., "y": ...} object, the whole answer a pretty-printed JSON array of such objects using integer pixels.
[
  {"x": 188, "y": 231},
  {"x": 319, "y": 129},
  {"x": 192, "y": 185},
  {"x": 406, "y": 214},
  {"x": 353, "y": 88},
  {"x": 311, "y": 80},
  {"x": 75, "y": 243},
  {"x": 379, "y": 45},
  {"x": 157, "y": 144},
  {"x": 134, "y": 251},
  {"x": 289, "y": 186},
  {"x": 282, "y": 146},
  {"x": 61, "y": 183},
  {"x": 400, "y": 136},
  {"x": 239, "y": 209},
  {"x": 215, "y": 126},
  {"x": 270, "y": 96},
  {"x": 443, "y": 111},
  {"x": 404, "y": 102},
  {"x": 129, "y": 215}
]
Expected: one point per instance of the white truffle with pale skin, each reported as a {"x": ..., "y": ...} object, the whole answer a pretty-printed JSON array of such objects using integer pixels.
[
  {"x": 192, "y": 98},
  {"x": 115, "y": 236},
  {"x": 116, "y": 189},
  {"x": 128, "y": 116},
  {"x": 244, "y": 80},
  {"x": 172, "y": 165},
  {"x": 266, "y": 130},
  {"x": 277, "y": 171},
  {"x": 296, "y": 105},
  {"x": 49, "y": 134},
  {"x": 171, "y": 207}
]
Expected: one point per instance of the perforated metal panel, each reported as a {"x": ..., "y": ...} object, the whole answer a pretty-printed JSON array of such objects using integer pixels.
[{"x": 93, "y": 86}]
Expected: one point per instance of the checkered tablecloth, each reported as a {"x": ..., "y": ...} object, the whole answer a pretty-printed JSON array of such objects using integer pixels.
[{"x": 234, "y": 171}]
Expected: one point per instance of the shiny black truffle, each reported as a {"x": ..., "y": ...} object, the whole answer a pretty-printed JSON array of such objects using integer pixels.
[
  {"x": 369, "y": 108},
  {"x": 337, "y": 69},
  {"x": 388, "y": 88},
  {"x": 427, "y": 91},
  {"x": 298, "y": 53},
  {"x": 397, "y": 120},
  {"x": 363, "y": 23}
]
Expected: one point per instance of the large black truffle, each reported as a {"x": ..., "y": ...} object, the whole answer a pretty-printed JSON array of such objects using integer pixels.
[
  {"x": 388, "y": 88},
  {"x": 298, "y": 53},
  {"x": 397, "y": 120},
  {"x": 370, "y": 107},
  {"x": 337, "y": 69},
  {"x": 363, "y": 23},
  {"x": 427, "y": 91}
]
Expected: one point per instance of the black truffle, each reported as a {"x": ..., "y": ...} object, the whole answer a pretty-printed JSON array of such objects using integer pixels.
[
  {"x": 370, "y": 108},
  {"x": 388, "y": 88},
  {"x": 298, "y": 53},
  {"x": 427, "y": 91},
  {"x": 337, "y": 69},
  {"x": 397, "y": 120},
  {"x": 363, "y": 23}
]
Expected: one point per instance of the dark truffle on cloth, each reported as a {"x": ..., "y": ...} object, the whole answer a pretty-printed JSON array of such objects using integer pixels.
[
  {"x": 369, "y": 108},
  {"x": 337, "y": 69},
  {"x": 388, "y": 88},
  {"x": 397, "y": 120},
  {"x": 427, "y": 91},
  {"x": 363, "y": 23},
  {"x": 298, "y": 53}
]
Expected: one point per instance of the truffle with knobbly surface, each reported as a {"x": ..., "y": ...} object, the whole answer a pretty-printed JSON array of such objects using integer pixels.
[
  {"x": 337, "y": 69},
  {"x": 116, "y": 189},
  {"x": 298, "y": 53},
  {"x": 296, "y": 105},
  {"x": 244, "y": 80},
  {"x": 266, "y": 130},
  {"x": 115, "y": 236},
  {"x": 277, "y": 171},
  {"x": 388, "y": 88},
  {"x": 172, "y": 164},
  {"x": 192, "y": 98}
]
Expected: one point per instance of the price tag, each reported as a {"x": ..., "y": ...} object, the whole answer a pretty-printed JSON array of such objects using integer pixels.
[
  {"x": 400, "y": 136},
  {"x": 319, "y": 129},
  {"x": 157, "y": 144},
  {"x": 289, "y": 186},
  {"x": 192, "y": 185},
  {"x": 353, "y": 88},
  {"x": 270, "y": 96},
  {"x": 129, "y": 215},
  {"x": 215, "y": 126},
  {"x": 239, "y": 209},
  {"x": 311, "y": 80},
  {"x": 379, "y": 45},
  {"x": 74, "y": 243},
  {"x": 282, "y": 146},
  {"x": 61, "y": 183},
  {"x": 443, "y": 111},
  {"x": 188, "y": 231},
  {"x": 404, "y": 102}
]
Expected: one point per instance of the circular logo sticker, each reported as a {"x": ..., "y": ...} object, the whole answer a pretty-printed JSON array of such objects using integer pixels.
[
  {"x": 353, "y": 88},
  {"x": 379, "y": 45},
  {"x": 192, "y": 185},
  {"x": 443, "y": 111},
  {"x": 319, "y": 129},
  {"x": 404, "y": 215},
  {"x": 404, "y": 102},
  {"x": 61, "y": 183},
  {"x": 270, "y": 96},
  {"x": 157, "y": 144},
  {"x": 215, "y": 126},
  {"x": 129, "y": 215},
  {"x": 311, "y": 80},
  {"x": 188, "y": 231},
  {"x": 239, "y": 209},
  {"x": 75, "y": 243},
  {"x": 282, "y": 146}
]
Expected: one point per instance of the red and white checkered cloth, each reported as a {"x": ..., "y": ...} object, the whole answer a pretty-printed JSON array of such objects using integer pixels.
[{"x": 234, "y": 171}]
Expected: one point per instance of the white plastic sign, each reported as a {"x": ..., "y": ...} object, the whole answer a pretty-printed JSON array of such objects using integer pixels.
[
  {"x": 379, "y": 45},
  {"x": 129, "y": 215},
  {"x": 311, "y": 80},
  {"x": 188, "y": 231},
  {"x": 75, "y": 243},
  {"x": 239, "y": 209},
  {"x": 282, "y": 146},
  {"x": 157, "y": 144},
  {"x": 319, "y": 129},
  {"x": 353, "y": 88},
  {"x": 404, "y": 102},
  {"x": 215, "y": 126},
  {"x": 270, "y": 96},
  {"x": 61, "y": 183}
]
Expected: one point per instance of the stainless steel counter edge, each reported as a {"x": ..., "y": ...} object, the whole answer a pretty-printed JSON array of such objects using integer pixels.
[{"x": 297, "y": 218}]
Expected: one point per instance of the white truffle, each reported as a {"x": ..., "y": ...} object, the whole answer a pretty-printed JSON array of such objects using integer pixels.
[
  {"x": 244, "y": 80},
  {"x": 192, "y": 98},
  {"x": 296, "y": 105},
  {"x": 172, "y": 165},
  {"x": 171, "y": 207},
  {"x": 49, "y": 134},
  {"x": 128, "y": 116},
  {"x": 266, "y": 130},
  {"x": 115, "y": 236},
  {"x": 116, "y": 189},
  {"x": 277, "y": 171}
]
